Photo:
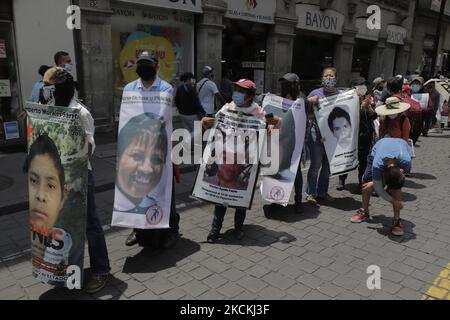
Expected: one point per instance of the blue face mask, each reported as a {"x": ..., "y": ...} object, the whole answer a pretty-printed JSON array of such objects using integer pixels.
[
  {"x": 415, "y": 88},
  {"x": 239, "y": 98},
  {"x": 329, "y": 83},
  {"x": 68, "y": 67}
]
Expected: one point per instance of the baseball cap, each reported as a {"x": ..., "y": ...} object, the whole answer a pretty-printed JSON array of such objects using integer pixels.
[
  {"x": 246, "y": 84},
  {"x": 358, "y": 81},
  {"x": 147, "y": 56},
  {"x": 291, "y": 77},
  {"x": 207, "y": 70},
  {"x": 417, "y": 78}
]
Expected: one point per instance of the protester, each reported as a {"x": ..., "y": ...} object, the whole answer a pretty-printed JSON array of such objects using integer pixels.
[
  {"x": 226, "y": 86},
  {"x": 207, "y": 91},
  {"x": 433, "y": 106},
  {"x": 187, "y": 102},
  {"x": 318, "y": 189},
  {"x": 415, "y": 113},
  {"x": 243, "y": 96},
  {"x": 39, "y": 84},
  {"x": 63, "y": 60},
  {"x": 147, "y": 67},
  {"x": 379, "y": 85},
  {"x": 389, "y": 161},
  {"x": 63, "y": 95}
]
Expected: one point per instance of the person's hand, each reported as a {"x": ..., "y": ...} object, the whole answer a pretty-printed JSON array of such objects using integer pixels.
[
  {"x": 208, "y": 123},
  {"x": 274, "y": 121},
  {"x": 314, "y": 100},
  {"x": 366, "y": 103}
]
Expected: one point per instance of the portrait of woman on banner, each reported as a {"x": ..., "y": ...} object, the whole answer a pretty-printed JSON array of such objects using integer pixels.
[{"x": 141, "y": 160}]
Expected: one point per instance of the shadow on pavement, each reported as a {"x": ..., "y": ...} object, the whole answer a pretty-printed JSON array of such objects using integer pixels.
[
  {"x": 112, "y": 291},
  {"x": 413, "y": 185},
  {"x": 385, "y": 228},
  {"x": 345, "y": 204},
  {"x": 353, "y": 188},
  {"x": 255, "y": 236},
  {"x": 150, "y": 260},
  {"x": 287, "y": 214},
  {"x": 422, "y": 176},
  {"x": 408, "y": 197}
]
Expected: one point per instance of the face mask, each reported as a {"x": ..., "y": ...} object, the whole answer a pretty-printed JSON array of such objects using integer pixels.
[
  {"x": 329, "y": 83},
  {"x": 68, "y": 67},
  {"x": 361, "y": 90},
  {"x": 239, "y": 98},
  {"x": 415, "y": 88},
  {"x": 146, "y": 73},
  {"x": 392, "y": 116}
]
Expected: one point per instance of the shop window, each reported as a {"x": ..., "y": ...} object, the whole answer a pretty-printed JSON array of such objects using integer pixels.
[{"x": 362, "y": 53}]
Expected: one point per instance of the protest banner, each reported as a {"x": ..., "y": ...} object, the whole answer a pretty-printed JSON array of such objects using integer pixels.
[
  {"x": 144, "y": 164},
  {"x": 338, "y": 120},
  {"x": 422, "y": 98},
  {"x": 277, "y": 188},
  {"x": 228, "y": 173},
  {"x": 57, "y": 166}
]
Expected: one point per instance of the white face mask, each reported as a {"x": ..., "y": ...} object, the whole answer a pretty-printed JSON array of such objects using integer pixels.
[
  {"x": 392, "y": 116},
  {"x": 361, "y": 90}
]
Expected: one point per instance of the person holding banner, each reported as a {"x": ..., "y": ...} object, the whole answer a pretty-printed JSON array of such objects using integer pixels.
[
  {"x": 63, "y": 95},
  {"x": 243, "y": 96},
  {"x": 318, "y": 189},
  {"x": 147, "y": 66},
  {"x": 389, "y": 161}
]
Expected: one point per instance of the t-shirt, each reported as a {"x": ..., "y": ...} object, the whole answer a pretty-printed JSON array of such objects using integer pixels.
[
  {"x": 207, "y": 91},
  {"x": 388, "y": 149}
]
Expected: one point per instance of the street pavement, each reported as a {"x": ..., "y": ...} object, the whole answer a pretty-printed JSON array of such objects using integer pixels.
[{"x": 315, "y": 255}]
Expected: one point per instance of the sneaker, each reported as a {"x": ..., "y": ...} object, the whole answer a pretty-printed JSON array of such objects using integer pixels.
[
  {"x": 238, "y": 234},
  {"x": 311, "y": 200},
  {"x": 171, "y": 240},
  {"x": 298, "y": 208},
  {"x": 131, "y": 240},
  {"x": 96, "y": 283},
  {"x": 397, "y": 228},
  {"x": 360, "y": 216},
  {"x": 326, "y": 198},
  {"x": 212, "y": 237},
  {"x": 340, "y": 187}
]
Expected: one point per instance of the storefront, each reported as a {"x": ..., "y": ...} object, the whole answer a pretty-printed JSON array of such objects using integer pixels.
[
  {"x": 315, "y": 41},
  {"x": 11, "y": 124},
  {"x": 169, "y": 34},
  {"x": 364, "y": 49},
  {"x": 244, "y": 40}
]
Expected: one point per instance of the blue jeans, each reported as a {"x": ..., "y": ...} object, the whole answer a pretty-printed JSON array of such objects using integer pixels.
[
  {"x": 219, "y": 214},
  {"x": 319, "y": 161},
  {"x": 98, "y": 253}
]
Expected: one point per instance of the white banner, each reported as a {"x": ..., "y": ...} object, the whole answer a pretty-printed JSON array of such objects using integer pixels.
[
  {"x": 338, "y": 120},
  {"x": 421, "y": 98},
  {"x": 277, "y": 188},
  {"x": 144, "y": 165},
  {"x": 229, "y": 170}
]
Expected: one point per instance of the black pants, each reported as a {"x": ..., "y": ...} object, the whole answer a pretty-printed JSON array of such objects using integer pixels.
[{"x": 219, "y": 215}]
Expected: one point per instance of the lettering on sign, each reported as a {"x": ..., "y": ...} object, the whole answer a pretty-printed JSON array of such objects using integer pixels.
[
  {"x": 396, "y": 34},
  {"x": 310, "y": 17}
]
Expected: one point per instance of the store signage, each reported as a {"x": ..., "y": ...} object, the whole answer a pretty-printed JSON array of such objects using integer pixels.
[
  {"x": 310, "y": 17},
  {"x": 253, "y": 64},
  {"x": 396, "y": 34},
  {"x": 11, "y": 130},
  {"x": 251, "y": 10},
  {"x": 364, "y": 32},
  {"x": 5, "y": 88},
  {"x": 185, "y": 5}
]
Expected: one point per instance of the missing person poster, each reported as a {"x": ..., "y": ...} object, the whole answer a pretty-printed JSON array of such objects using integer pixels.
[
  {"x": 277, "y": 188},
  {"x": 57, "y": 166},
  {"x": 422, "y": 98},
  {"x": 338, "y": 120},
  {"x": 144, "y": 164},
  {"x": 229, "y": 170}
]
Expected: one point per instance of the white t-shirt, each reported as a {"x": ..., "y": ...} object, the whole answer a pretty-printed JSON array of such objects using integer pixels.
[{"x": 207, "y": 94}]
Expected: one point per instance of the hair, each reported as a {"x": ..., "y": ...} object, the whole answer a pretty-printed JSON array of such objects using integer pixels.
[
  {"x": 59, "y": 55},
  {"x": 394, "y": 178},
  {"x": 291, "y": 88},
  {"x": 44, "y": 145},
  {"x": 330, "y": 68},
  {"x": 394, "y": 85},
  {"x": 64, "y": 92},
  {"x": 43, "y": 69},
  {"x": 186, "y": 76},
  {"x": 338, "y": 112},
  {"x": 139, "y": 125}
]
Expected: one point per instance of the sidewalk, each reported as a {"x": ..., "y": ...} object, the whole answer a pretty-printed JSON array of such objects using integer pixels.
[{"x": 316, "y": 255}]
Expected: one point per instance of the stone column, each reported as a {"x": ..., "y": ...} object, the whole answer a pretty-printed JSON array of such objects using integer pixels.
[
  {"x": 376, "y": 63},
  {"x": 343, "y": 56},
  {"x": 96, "y": 58},
  {"x": 209, "y": 37},
  {"x": 280, "y": 45},
  {"x": 403, "y": 53}
]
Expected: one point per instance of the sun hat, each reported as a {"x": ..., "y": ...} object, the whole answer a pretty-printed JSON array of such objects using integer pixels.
[{"x": 393, "y": 105}]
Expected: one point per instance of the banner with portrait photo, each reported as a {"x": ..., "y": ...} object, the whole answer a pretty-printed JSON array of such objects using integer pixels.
[
  {"x": 229, "y": 170},
  {"x": 338, "y": 120},
  {"x": 144, "y": 164},
  {"x": 57, "y": 166},
  {"x": 277, "y": 188},
  {"x": 422, "y": 98}
]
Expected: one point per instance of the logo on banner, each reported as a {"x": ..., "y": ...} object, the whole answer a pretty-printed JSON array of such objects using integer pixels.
[
  {"x": 154, "y": 215},
  {"x": 251, "y": 4},
  {"x": 277, "y": 193}
]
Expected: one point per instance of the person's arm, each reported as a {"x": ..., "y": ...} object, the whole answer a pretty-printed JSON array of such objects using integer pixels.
[
  {"x": 221, "y": 99},
  {"x": 406, "y": 129}
]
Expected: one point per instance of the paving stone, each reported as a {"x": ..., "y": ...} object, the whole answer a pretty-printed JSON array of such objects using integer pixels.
[
  {"x": 277, "y": 280},
  {"x": 252, "y": 284},
  {"x": 195, "y": 288},
  {"x": 311, "y": 281},
  {"x": 345, "y": 282},
  {"x": 230, "y": 290},
  {"x": 215, "y": 281}
]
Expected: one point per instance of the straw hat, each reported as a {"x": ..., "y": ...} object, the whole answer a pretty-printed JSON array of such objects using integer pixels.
[{"x": 392, "y": 106}]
